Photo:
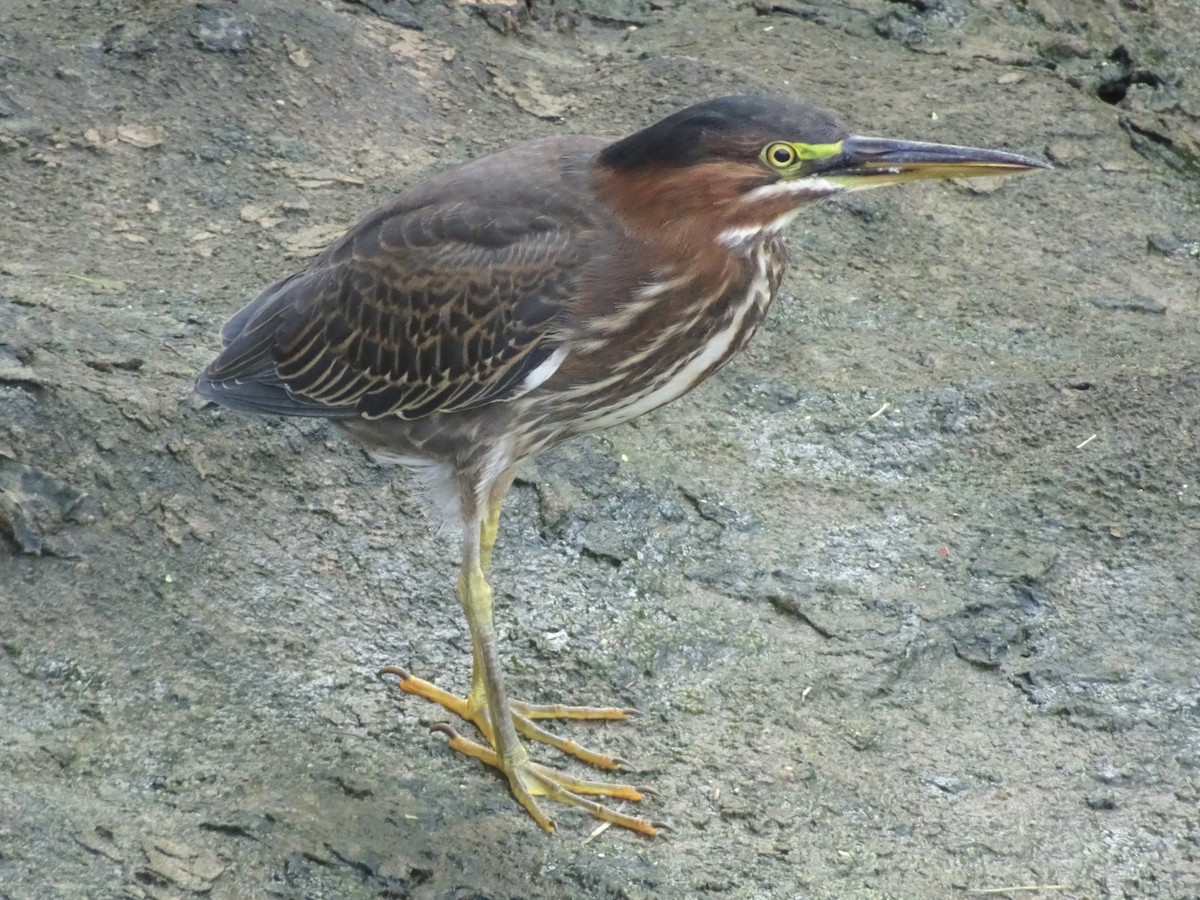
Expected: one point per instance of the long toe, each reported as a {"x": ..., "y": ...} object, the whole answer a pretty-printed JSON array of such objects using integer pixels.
[
  {"x": 561, "y": 711},
  {"x": 523, "y": 716},
  {"x": 530, "y": 780},
  {"x": 530, "y": 729}
]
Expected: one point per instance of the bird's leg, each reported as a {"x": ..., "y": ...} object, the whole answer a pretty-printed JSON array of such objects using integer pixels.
[
  {"x": 488, "y": 531},
  {"x": 491, "y": 523},
  {"x": 474, "y": 708},
  {"x": 495, "y": 719},
  {"x": 523, "y": 713}
]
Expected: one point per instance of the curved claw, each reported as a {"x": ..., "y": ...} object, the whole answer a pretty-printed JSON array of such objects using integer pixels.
[
  {"x": 445, "y": 728},
  {"x": 400, "y": 673}
]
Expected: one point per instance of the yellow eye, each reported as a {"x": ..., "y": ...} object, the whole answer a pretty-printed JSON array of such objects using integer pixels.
[{"x": 780, "y": 155}]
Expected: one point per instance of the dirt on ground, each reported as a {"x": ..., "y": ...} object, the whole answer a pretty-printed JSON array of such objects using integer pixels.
[{"x": 907, "y": 595}]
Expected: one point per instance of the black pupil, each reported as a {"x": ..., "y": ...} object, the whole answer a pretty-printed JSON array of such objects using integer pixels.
[{"x": 782, "y": 155}]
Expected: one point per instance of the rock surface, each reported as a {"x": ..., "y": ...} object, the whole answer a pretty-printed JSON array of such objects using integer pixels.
[{"x": 907, "y": 595}]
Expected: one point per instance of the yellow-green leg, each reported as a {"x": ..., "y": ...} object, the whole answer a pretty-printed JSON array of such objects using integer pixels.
[
  {"x": 524, "y": 713},
  {"x": 491, "y": 522},
  {"x": 488, "y": 707}
]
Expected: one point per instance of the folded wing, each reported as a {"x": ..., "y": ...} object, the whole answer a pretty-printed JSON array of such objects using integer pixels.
[{"x": 413, "y": 311}]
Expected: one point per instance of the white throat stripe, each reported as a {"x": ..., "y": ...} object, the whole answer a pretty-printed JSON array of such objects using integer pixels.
[{"x": 815, "y": 187}]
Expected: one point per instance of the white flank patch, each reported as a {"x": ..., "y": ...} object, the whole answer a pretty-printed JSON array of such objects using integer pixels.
[{"x": 544, "y": 370}]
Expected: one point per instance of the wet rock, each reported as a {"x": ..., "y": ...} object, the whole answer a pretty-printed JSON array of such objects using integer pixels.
[
  {"x": 1101, "y": 802},
  {"x": 1112, "y": 776},
  {"x": 282, "y": 595},
  {"x": 711, "y": 509},
  {"x": 1089, "y": 701},
  {"x": 398, "y": 12},
  {"x": 987, "y": 630},
  {"x": 721, "y": 576},
  {"x": 1174, "y": 245},
  {"x": 734, "y": 806},
  {"x": 617, "y": 12},
  {"x": 857, "y": 22},
  {"x": 220, "y": 30},
  {"x": 34, "y": 505},
  {"x": 191, "y": 869},
  {"x": 1160, "y": 141},
  {"x": 1067, "y": 153},
  {"x": 1130, "y": 304},
  {"x": 806, "y": 11},
  {"x": 11, "y": 112},
  {"x": 142, "y": 136},
  {"x": 99, "y": 839},
  {"x": 129, "y": 39},
  {"x": 920, "y": 22},
  {"x": 604, "y": 541},
  {"x": 946, "y": 784}
]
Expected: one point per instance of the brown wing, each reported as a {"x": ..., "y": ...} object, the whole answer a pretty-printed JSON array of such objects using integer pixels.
[{"x": 413, "y": 311}]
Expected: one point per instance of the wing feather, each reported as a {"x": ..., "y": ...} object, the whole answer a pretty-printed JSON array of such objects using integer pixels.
[{"x": 412, "y": 312}]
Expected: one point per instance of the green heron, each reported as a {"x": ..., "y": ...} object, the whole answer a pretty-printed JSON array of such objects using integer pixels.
[{"x": 552, "y": 289}]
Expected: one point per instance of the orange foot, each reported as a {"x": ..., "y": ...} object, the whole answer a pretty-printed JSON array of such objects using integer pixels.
[{"x": 527, "y": 778}]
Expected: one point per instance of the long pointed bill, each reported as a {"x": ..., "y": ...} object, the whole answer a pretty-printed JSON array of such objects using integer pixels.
[{"x": 864, "y": 162}]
